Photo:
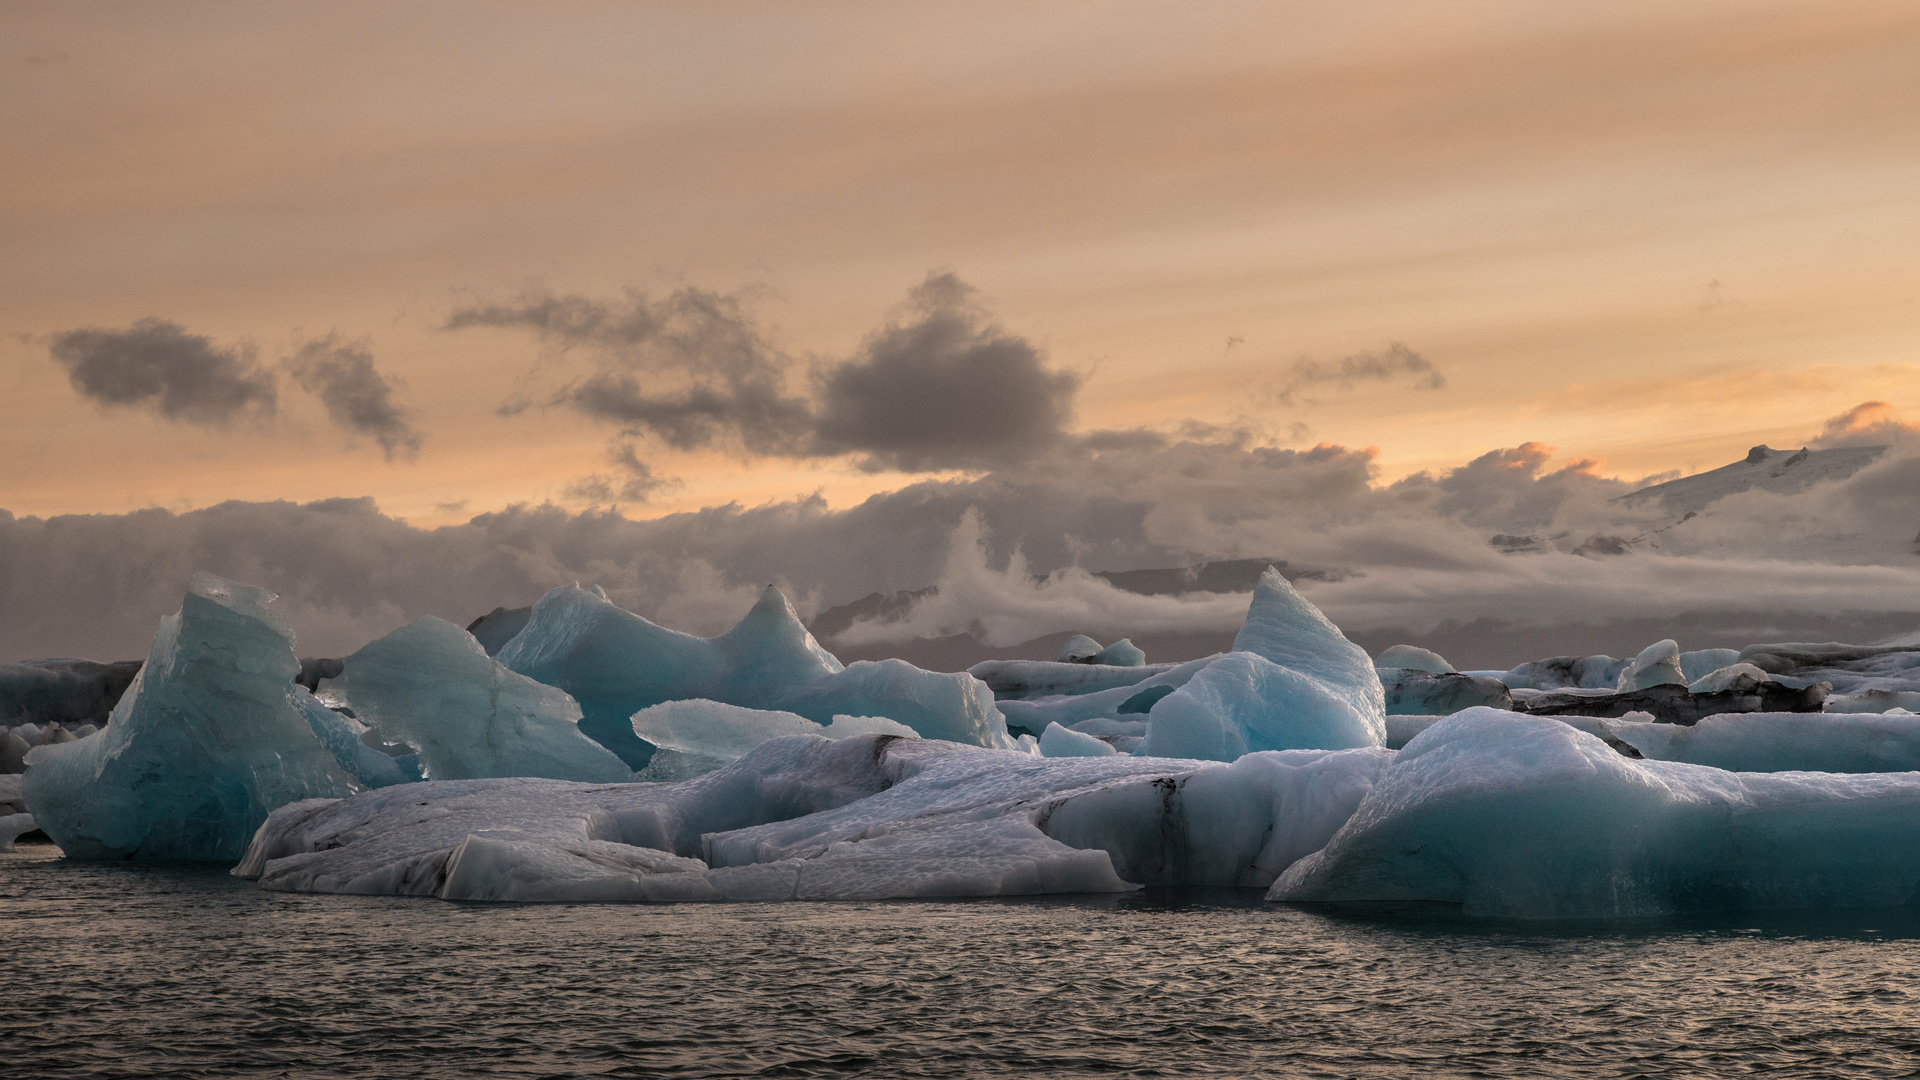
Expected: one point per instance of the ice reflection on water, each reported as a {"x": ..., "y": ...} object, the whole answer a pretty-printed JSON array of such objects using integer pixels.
[{"x": 112, "y": 970}]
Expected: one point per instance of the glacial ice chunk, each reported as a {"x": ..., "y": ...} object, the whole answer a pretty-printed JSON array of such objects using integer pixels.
[
  {"x": 14, "y": 826},
  {"x": 1079, "y": 649},
  {"x": 431, "y": 685},
  {"x": 1597, "y": 672},
  {"x": 1244, "y": 702},
  {"x": 800, "y": 817},
  {"x": 1122, "y": 653},
  {"x": 616, "y": 663},
  {"x": 1415, "y": 658},
  {"x": 1657, "y": 665},
  {"x": 1509, "y": 815},
  {"x": 1057, "y": 741},
  {"x": 203, "y": 745},
  {"x": 1701, "y": 662},
  {"x": 341, "y": 736},
  {"x": 1725, "y": 678},
  {"x": 1285, "y": 627},
  {"x": 1293, "y": 681},
  {"x": 1783, "y": 742}
]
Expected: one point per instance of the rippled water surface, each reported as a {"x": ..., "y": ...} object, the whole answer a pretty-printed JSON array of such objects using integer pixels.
[{"x": 112, "y": 970}]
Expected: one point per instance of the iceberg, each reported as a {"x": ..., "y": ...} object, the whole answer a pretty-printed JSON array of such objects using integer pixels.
[
  {"x": 1079, "y": 649},
  {"x": 803, "y": 817},
  {"x": 1728, "y": 678},
  {"x": 1292, "y": 682},
  {"x": 1783, "y": 742},
  {"x": 1016, "y": 680},
  {"x": 1516, "y": 816},
  {"x": 697, "y": 736},
  {"x": 345, "y": 738},
  {"x": 1598, "y": 672},
  {"x": 1699, "y": 663},
  {"x": 62, "y": 690},
  {"x": 615, "y": 663},
  {"x": 1057, "y": 741},
  {"x": 1414, "y": 658},
  {"x": 1416, "y": 692},
  {"x": 432, "y": 686},
  {"x": 1122, "y": 653},
  {"x": 1657, "y": 665},
  {"x": 207, "y": 740}
]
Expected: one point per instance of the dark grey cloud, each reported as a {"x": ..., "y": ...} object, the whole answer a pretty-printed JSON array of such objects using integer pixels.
[
  {"x": 940, "y": 386},
  {"x": 358, "y": 398},
  {"x": 158, "y": 366},
  {"x": 1391, "y": 363},
  {"x": 944, "y": 387},
  {"x": 632, "y": 481},
  {"x": 691, "y": 369}
]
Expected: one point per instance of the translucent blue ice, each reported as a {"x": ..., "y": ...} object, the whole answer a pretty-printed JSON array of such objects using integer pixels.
[
  {"x": 1057, "y": 741},
  {"x": 616, "y": 663},
  {"x": 207, "y": 741},
  {"x": 1528, "y": 817},
  {"x": 433, "y": 686}
]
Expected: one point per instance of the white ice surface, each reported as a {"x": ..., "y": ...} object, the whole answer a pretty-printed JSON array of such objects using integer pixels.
[
  {"x": 1723, "y": 678},
  {"x": 1527, "y": 817},
  {"x": 1057, "y": 741},
  {"x": 207, "y": 740},
  {"x": 431, "y": 685},
  {"x": 802, "y": 817},
  {"x": 718, "y": 733},
  {"x": 1411, "y": 656},
  {"x": 1783, "y": 742},
  {"x": 1700, "y": 662},
  {"x": 11, "y": 828},
  {"x": 1020, "y": 679},
  {"x": 1657, "y": 665}
]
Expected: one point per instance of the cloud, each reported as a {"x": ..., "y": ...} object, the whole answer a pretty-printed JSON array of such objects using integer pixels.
[
  {"x": 944, "y": 387},
  {"x": 1870, "y": 423},
  {"x": 634, "y": 482},
  {"x": 1349, "y": 371},
  {"x": 940, "y": 387},
  {"x": 157, "y": 366},
  {"x": 1414, "y": 555},
  {"x": 358, "y": 398}
]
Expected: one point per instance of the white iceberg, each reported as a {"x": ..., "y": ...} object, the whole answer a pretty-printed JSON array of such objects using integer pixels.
[
  {"x": 1657, "y": 665},
  {"x": 802, "y": 817},
  {"x": 1527, "y": 817},
  {"x": 432, "y": 686},
  {"x": 1057, "y": 741},
  {"x": 207, "y": 740},
  {"x": 1414, "y": 658}
]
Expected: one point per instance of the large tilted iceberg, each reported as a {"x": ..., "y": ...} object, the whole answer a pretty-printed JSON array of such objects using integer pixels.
[
  {"x": 1527, "y": 817},
  {"x": 432, "y": 686},
  {"x": 803, "y": 817},
  {"x": 1292, "y": 681},
  {"x": 615, "y": 663},
  {"x": 208, "y": 740}
]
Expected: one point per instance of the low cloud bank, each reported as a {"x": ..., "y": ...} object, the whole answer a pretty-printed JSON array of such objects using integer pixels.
[{"x": 1504, "y": 539}]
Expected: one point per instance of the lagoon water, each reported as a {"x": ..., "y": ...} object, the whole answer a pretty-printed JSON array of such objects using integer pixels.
[{"x": 116, "y": 970}]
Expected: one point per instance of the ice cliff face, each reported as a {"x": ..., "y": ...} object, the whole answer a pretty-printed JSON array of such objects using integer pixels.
[{"x": 207, "y": 741}]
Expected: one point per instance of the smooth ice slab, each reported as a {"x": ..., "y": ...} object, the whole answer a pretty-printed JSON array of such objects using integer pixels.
[
  {"x": 1526, "y": 817},
  {"x": 205, "y": 743},
  {"x": 698, "y": 736},
  {"x": 431, "y": 685}
]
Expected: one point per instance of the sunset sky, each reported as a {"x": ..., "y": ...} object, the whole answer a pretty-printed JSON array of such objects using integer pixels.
[
  {"x": 461, "y": 258},
  {"x": 1651, "y": 233}
]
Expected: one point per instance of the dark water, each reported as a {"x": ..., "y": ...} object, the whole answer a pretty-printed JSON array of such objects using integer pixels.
[{"x": 117, "y": 971}]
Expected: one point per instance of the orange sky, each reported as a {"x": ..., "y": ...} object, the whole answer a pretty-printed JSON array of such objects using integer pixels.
[{"x": 1655, "y": 233}]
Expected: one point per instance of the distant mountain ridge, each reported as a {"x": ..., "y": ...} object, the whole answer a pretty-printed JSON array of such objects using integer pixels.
[{"x": 1779, "y": 471}]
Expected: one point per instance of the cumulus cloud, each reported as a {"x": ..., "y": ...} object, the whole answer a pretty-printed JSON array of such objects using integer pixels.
[
  {"x": 944, "y": 387},
  {"x": 358, "y": 398},
  {"x": 941, "y": 386},
  {"x": 158, "y": 366},
  {"x": 1870, "y": 423},
  {"x": 1348, "y": 372}
]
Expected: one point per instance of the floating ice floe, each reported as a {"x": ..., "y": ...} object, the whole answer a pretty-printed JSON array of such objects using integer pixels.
[
  {"x": 1783, "y": 742},
  {"x": 1657, "y": 665},
  {"x": 432, "y": 686},
  {"x": 1526, "y": 817},
  {"x": 615, "y": 663},
  {"x": 696, "y": 736},
  {"x": 803, "y": 817},
  {"x": 207, "y": 740}
]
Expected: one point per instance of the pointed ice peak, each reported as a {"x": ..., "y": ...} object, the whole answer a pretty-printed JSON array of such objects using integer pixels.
[
  {"x": 772, "y": 637},
  {"x": 1286, "y": 628}
]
